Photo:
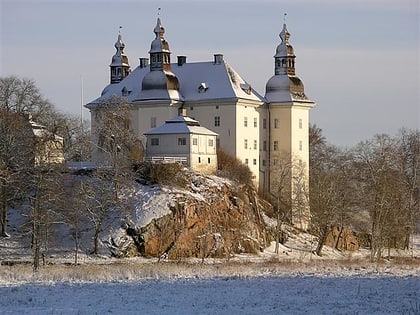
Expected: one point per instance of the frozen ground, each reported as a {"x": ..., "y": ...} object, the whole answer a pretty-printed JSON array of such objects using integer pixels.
[
  {"x": 221, "y": 295},
  {"x": 293, "y": 282}
]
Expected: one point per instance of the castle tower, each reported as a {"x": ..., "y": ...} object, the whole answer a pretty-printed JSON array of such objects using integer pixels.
[
  {"x": 287, "y": 136},
  {"x": 119, "y": 66},
  {"x": 160, "y": 82}
]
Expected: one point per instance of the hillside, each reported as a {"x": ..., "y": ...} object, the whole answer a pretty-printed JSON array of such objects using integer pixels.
[{"x": 207, "y": 219}]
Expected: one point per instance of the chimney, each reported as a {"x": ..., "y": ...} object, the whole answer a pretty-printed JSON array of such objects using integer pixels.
[
  {"x": 182, "y": 111},
  {"x": 182, "y": 60},
  {"x": 144, "y": 62},
  {"x": 218, "y": 59}
]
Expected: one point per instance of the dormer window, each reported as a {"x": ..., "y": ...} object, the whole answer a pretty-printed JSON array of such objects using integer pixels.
[
  {"x": 124, "y": 91},
  {"x": 246, "y": 88},
  {"x": 202, "y": 87}
]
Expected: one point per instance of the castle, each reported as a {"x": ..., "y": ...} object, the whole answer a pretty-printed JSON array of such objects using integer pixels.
[{"x": 268, "y": 133}]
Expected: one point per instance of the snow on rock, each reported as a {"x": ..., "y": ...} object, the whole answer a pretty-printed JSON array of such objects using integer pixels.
[
  {"x": 208, "y": 217},
  {"x": 151, "y": 203}
]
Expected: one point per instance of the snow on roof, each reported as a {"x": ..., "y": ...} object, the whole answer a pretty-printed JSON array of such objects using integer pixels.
[
  {"x": 180, "y": 125},
  {"x": 221, "y": 81}
]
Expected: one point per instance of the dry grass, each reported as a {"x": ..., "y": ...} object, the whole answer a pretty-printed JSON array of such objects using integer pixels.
[{"x": 137, "y": 271}]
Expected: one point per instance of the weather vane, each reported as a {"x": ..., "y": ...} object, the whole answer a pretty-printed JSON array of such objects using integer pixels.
[
  {"x": 158, "y": 11},
  {"x": 119, "y": 31},
  {"x": 284, "y": 18}
]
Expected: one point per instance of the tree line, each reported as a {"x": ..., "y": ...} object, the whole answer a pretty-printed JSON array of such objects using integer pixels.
[{"x": 373, "y": 187}]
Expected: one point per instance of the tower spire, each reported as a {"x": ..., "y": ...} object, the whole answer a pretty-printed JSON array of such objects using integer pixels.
[
  {"x": 160, "y": 76},
  {"x": 120, "y": 67}
]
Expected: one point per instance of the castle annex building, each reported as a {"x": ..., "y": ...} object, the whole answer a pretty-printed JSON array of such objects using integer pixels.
[{"x": 265, "y": 132}]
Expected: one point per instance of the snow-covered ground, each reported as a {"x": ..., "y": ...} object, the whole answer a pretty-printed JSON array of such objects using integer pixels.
[{"x": 222, "y": 295}]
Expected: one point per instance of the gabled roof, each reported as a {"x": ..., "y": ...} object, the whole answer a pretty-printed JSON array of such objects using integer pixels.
[
  {"x": 181, "y": 125},
  {"x": 198, "y": 81}
]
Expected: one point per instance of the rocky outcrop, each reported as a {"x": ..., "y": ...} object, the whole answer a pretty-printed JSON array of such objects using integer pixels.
[
  {"x": 211, "y": 217},
  {"x": 342, "y": 238}
]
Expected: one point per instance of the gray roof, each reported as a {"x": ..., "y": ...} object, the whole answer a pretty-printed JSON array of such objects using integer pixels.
[
  {"x": 181, "y": 125},
  {"x": 217, "y": 81}
]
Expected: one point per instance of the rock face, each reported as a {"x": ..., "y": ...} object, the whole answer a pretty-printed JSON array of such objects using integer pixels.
[
  {"x": 211, "y": 217},
  {"x": 347, "y": 240}
]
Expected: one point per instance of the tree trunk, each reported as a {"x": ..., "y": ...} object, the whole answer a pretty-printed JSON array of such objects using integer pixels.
[
  {"x": 76, "y": 241},
  {"x": 322, "y": 239},
  {"x": 96, "y": 239},
  {"x": 4, "y": 210},
  {"x": 337, "y": 240},
  {"x": 278, "y": 232},
  {"x": 36, "y": 242}
]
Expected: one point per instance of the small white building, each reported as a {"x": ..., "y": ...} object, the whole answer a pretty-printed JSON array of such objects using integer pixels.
[
  {"x": 48, "y": 147},
  {"x": 182, "y": 139}
]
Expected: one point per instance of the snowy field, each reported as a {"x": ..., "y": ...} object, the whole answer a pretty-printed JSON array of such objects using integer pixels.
[
  {"x": 306, "y": 294},
  {"x": 293, "y": 282}
]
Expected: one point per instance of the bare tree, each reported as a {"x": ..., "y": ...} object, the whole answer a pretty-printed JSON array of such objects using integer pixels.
[
  {"x": 381, "y": 190},
  {"x": 331, "y": 191},
  {"x": 45, "y": 199},
  {"x": 325, "y": 196},
  {"x": 98, "y": 200},
  {"x": 117, "y": 145},
  {"x": 19, "y": 98},
  {"x": 408, "y": 146},
  {"x": 16, "y": 158}
]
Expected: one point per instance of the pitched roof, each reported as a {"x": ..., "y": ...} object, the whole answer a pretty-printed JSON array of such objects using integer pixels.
[
  {"x": 198, "y": 81},
  {"x": 180, "y": 125}
]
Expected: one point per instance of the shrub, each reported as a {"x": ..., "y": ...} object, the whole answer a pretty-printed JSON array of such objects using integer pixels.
[
  {"x": 170, "y": 174},
  {"x": 232, "y": 168}
]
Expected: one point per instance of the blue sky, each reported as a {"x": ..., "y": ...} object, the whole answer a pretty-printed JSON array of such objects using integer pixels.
[{"x": 359, "y": 60}]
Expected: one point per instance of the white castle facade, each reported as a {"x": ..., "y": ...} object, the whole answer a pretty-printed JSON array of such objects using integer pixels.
[{"x": 268, "y": 133}]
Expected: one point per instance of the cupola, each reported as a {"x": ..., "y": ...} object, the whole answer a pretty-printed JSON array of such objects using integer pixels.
[
  {"x": 160, "y": 76},
  {"x": 284, "y": 85},
  {"x": 285, "y": 57},
  {"x": 119, "y": 66}
]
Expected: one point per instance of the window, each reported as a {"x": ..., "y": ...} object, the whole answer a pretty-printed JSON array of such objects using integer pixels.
[
  {"x": 255, "y": 145},
  {"x": 195, "y": 141},
  {"x": 199, "y": 159},
  {"x": 245, "y": 121},
  {"x": 263, "y": 162},
  {"x": 202, "y": 87},
  {"x": 216, "y": 121},
  {"x": 276, "y": 145},
  {"x": 255, "y": 122},
  {"x": 182, "y": 141},
  {"x": 264, "y": 145},
  {"x": 265, "y": 123},
  {"x": 246, "y": 161},
  {"x": 217, "y": 106},
  {"x": 275, "y": 162},
  {"x": 300, "y": 145},
  {"x": 211, "y": 142},
  {"x": 246, "y": 144},
  {"x": 208, "y": 160},
  {"x": 152, "y": 122},
  {"x": 254, "y": 161},
  {"x": 276, "y": 123},
  {"x": 154, "y": 141},
  {"x": 300, "y": 123}
]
